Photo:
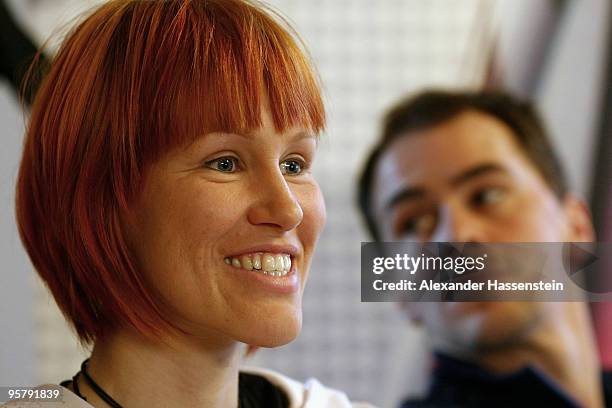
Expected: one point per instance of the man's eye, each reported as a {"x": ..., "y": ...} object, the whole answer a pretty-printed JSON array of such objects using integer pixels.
[
  {"x": 223, "y": 164},
  {"x": 488, "y": 196},
  {"x": 292, "y": 167},
  {"x": 420, "y": 225}
]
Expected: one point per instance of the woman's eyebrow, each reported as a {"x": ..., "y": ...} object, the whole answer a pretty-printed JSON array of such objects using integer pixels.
[
  {"x": 293, "y": 137},
  {"x": 304, "y": 135},
  {"x": 198, "y": 140}
]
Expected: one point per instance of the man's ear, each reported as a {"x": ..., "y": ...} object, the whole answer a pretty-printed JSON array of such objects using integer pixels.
[{"x": 579, "y": 223}]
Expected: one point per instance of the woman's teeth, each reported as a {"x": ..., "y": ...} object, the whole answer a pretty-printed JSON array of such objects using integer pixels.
[{"x": 267, "y": 263}]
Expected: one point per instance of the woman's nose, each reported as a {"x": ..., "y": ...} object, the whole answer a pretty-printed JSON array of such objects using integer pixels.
[{"x": 276, "y": 204}]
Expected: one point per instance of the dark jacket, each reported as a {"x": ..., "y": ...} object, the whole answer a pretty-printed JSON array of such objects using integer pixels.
[{"x": 460, "y": 384}]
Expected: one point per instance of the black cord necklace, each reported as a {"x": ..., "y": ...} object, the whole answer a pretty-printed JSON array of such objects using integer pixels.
[
  {"x": 94, "y": 386},
  {"x": 100, "y": 392}
]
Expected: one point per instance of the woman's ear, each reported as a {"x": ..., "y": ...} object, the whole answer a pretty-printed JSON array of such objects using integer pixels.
[{"x": 579, "y": 223}]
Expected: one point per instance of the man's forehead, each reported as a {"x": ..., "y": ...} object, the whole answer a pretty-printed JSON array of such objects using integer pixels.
[
  {"x": 436, "y": 156},
  {"x": 415, "y": 160}
]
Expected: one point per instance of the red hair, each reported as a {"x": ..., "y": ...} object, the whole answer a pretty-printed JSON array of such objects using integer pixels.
[{"x": 134, "y": 80}]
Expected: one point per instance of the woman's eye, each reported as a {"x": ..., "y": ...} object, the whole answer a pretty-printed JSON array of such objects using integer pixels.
[
  {"x": 488, "y": 196},
  {"x": 292, "y": 167},
  {"x": 223, "y": 164}
]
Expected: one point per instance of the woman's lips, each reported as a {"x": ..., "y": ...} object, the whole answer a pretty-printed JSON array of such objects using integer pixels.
[{"x": 284, "y": 282}]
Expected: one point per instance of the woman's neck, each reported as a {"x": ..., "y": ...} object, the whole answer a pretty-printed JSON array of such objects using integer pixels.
[{"x": 137, "y": 372}]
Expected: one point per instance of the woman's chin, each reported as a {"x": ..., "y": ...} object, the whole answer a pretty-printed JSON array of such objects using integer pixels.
[{"x": 272, "y": 332}]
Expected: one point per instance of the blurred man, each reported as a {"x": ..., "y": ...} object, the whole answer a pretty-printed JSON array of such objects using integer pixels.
[{"x": 464, "y": 167}]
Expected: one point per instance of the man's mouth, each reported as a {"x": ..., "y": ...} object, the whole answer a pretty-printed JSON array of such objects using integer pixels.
[{"x": 262, "y": 262}]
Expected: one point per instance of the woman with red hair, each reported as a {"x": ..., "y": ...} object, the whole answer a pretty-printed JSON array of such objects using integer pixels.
[{"x": 166, "y": 198}]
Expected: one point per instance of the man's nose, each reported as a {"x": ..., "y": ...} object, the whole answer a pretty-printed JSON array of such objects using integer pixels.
[
  {"x": 458, "y": 224},
  {"x": 276, "y": 204}
]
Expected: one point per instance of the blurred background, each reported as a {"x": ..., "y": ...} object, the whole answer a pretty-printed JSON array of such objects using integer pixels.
[{"x": 557, "y": 53}]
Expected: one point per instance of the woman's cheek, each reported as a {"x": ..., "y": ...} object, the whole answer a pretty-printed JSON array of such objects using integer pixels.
[{"x": 315, "y": 215}]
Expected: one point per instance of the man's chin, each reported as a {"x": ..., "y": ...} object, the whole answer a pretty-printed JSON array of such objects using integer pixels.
[{"x": 487, "y": 325}]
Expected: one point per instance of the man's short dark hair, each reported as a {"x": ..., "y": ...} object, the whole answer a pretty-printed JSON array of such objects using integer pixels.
[{"x": 431, "y": 108}]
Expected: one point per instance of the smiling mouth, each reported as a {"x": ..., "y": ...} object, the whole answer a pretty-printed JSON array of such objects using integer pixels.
[{"x": 262, "y": 262}]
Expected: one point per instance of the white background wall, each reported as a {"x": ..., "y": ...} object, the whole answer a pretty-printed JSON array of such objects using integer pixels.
[
  {"x": 570, "y": 95},
  {"x": 17, "y": 333},
  {"x": 570, "y": 91}
]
